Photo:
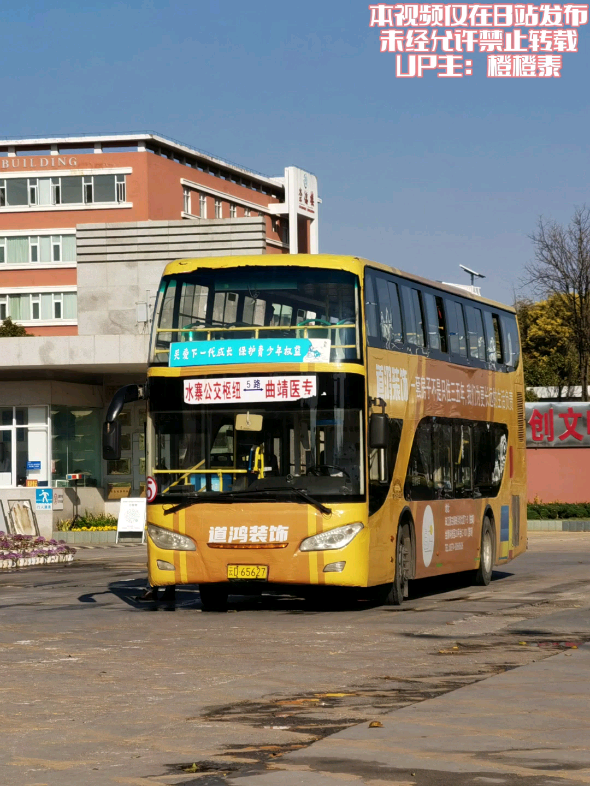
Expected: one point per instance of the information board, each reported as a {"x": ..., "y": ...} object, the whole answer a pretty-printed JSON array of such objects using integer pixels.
[{"x": 132, "y": 514}]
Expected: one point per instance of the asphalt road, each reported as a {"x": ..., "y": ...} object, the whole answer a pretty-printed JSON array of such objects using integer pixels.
[{"x": 98, "y": 690}]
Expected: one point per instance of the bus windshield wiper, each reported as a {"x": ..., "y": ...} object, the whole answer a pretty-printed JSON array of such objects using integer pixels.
[
  {"x": 218, "y": 496},
  {"x": 187, "y": 499},
  {"x": 230, "y": 496},
  {"x": 270, "y": 492},
  {"x": 308, "y": 498}
]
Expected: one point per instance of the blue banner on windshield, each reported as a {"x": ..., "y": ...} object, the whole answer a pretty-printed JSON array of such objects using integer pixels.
[{"x": 236, "y": 351}]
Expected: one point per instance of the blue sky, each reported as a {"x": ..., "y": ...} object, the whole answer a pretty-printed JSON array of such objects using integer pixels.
[{"x": 424, "y": 174}]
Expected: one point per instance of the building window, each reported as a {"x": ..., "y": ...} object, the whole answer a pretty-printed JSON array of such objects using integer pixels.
[
  {"x": 55, "y": 191},
  {"x": 233, "y": 211},
  {"x": 202, "y": 206},
  {"x": 37, "y": 249},
  {"x": 44, "y": 307},
  {"x": 75, "y": 444},
  {"x": 285, "y": 233},
  {"x": 56, "y": 249},
  {"x": 34, "y": 249},
  {"x": 218, "y": 209},
  {"x": 121, "y": 188},
  {"x": 33, "y": 191},
  {"x": 24, "y": 455},
  {"x": 187, "y": 200},
  {"x": 247, "y": 212},
  {"x": 57, "y": 305},
  {"x": 275, "y": 225},
  {"x": 88, "y": 190}
]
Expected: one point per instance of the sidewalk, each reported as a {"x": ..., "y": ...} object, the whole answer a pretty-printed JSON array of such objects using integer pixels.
[{"x": 527, "y": 726}]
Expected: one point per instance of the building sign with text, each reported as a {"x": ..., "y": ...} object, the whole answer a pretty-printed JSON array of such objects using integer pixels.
[
  {"x": 41, "y": 162},
  {"x": 558, "y": 424}
]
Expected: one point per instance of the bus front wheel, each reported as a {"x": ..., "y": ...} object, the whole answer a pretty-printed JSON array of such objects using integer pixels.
[
  {"x": 395, "y": 593},
  {"x": 213, "y": 597},
  {"x": 483, "y": 575}
]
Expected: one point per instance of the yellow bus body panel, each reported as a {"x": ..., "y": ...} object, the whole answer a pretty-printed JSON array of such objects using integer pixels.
[{"x": 286, "y": 563}]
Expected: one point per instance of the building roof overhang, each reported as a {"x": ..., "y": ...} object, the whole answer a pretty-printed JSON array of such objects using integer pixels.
[{"x": 85, "y": 140}]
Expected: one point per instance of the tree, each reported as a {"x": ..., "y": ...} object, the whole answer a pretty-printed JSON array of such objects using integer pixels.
[
  {"x": 8, "y": 329},
  {"x": 562, "y": 267},
  {"x": 548, "y": 350}
]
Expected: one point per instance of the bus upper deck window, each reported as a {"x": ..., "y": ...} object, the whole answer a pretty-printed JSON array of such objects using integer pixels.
[
  {"x": 456, "y": 328},
  {"x": 511, "y": 340},
  {"x": 492, "y": 347},
  {"x": 390, "y": 320},
  {"x": 435, "y": 321},
  {"x": 475, "y": 334},
  {"x": 371, "y": 310},
  {"x": 413, "y": 316}
]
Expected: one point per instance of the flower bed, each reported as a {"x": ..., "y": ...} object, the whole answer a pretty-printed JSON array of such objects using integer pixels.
[
  {"x": 89, "y": 522},
  {"x": 19, "y": 551}
]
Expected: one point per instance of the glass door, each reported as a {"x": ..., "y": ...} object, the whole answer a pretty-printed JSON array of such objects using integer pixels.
[{"x": 5, "y": 458}]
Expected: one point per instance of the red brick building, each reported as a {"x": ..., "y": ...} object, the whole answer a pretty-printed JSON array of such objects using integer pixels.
[{"x": 49, "y": 186}]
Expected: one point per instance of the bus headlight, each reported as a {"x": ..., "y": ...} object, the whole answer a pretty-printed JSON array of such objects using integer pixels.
[
  {"x": 166, "y": 539},
  {"x": 332, "y": 539}
]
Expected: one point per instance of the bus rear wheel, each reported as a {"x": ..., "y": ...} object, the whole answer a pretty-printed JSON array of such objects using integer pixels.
[
  {"x": 483, "y": 575},
  {"x": 214, "y": 597}
]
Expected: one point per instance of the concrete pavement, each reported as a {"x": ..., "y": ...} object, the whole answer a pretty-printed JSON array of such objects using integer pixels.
[
  {"x": 99, "y": 691},
  {"x": 530, "y": 725}
]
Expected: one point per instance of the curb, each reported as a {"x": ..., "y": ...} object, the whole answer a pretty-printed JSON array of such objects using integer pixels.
[
  {"x": 78, "y": 537},
  {"x": 573, "y": 525},
  {"x": 105, "y": 538},
  {"x": 25, "y": 562}
]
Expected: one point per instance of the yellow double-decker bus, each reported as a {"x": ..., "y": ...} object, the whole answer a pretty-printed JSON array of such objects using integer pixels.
[{"x": 327, "y": 421}]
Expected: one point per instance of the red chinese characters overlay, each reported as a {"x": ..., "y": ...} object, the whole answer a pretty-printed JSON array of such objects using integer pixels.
[{"x": 542, "y": 429}]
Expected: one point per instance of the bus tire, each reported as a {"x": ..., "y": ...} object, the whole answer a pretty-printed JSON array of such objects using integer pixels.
[
  {"x": 398, "y": 590},
  {"x": 483, "y": 575},
  {"x": 213, "y": 597}
]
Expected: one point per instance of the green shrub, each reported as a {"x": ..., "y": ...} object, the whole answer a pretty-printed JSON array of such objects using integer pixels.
[
  {"x": 88, "y": 520},
  {"x": 557, "y": 511}
]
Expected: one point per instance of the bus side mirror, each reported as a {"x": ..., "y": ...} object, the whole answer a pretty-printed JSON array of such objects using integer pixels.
[
  {"x": 378, "y": 431},
  {"x": 111, "y": 440}
]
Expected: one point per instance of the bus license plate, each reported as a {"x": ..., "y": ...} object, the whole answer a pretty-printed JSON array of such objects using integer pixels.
[{"x": 247, "y": 572}]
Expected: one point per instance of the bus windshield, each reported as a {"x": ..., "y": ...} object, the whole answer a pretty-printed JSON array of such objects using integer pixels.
[
  {"x": 312, "y": 444},
  {"x": 259, "y": 302}
]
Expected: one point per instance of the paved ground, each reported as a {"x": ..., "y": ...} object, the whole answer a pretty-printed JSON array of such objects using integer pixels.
[{"x": 97, "y": 691}]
